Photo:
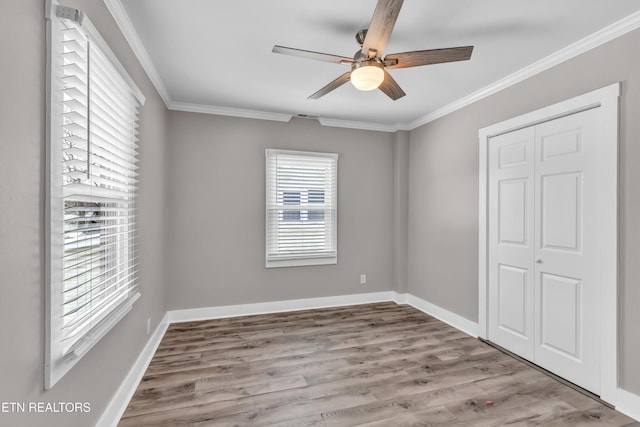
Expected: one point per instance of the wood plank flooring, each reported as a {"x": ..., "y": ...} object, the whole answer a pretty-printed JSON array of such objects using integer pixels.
[{"x": 367, "y": 365}]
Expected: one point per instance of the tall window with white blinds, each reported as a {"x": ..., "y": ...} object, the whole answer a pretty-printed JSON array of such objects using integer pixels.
[
  {"x": 301, "y": 208},
  {"x": 92, "y": 161}
]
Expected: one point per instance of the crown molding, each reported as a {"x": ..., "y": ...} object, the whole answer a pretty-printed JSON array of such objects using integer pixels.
[
  {"x": 592, "y": 41},
  {"x": 121, "y": 17},
  {"x": 227, "y": 111},
  {"x": 378, "y": 127}
]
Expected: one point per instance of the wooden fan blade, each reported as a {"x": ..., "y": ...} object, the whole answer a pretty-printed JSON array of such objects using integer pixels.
[
  {"x": 426, "y": 57},
  {"x": 331, "y": 86},
  {"x": 312, "y": 55},
  {"x": 381, "y": 26},
  {"x": 391, "y": 88}
]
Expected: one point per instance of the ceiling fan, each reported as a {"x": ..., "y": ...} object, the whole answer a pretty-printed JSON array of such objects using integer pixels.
[{"x": 368, "y": 68}]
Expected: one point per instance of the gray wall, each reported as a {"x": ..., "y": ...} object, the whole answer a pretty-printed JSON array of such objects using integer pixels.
[
  {"x": 216, "y": 211},
  {"x": 400, "y": 210},
  {"x": 96, "y": 377},
  {"x": 443, "y": 187}
]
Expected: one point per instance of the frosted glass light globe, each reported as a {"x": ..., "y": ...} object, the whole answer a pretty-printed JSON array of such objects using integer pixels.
[{"x": 367, "y": 76}]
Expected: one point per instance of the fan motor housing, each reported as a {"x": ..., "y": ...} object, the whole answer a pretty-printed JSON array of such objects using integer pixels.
[
  {"x": 366, "y": 63},
  {"x": 360, "y": 35}
]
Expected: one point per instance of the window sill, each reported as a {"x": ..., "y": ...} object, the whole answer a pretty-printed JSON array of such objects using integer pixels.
[{"x": 300, "y": 262}]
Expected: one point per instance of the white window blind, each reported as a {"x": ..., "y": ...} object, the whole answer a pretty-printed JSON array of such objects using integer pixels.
[
  {"x": 92, "y": 163},
  {"x": 301, "y": 208}
]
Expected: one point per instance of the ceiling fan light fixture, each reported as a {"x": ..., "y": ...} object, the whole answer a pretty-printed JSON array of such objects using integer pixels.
[{"x": 367, "y": 75}]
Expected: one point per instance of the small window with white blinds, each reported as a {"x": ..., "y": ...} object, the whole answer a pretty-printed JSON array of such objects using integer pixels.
[
  {"x": 301, "y": 208},
  {"x": 92, "y": 172}
]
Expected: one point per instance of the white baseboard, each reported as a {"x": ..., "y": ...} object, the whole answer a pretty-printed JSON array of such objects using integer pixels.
[
  {"x": 206, "y": 313},
  {"x": 400, "y": 298},
  {"x": 112, "y": 414},
  {"x": 628, "y": 403},
  {"x": 455, "y": 320}
]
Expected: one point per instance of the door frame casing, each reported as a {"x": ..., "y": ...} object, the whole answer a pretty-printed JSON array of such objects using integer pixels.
[{"x": 605, "y": 100}]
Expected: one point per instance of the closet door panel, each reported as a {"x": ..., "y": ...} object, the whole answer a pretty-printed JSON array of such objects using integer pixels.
[
  {"x": 511, "y": 237},
  {"x": 566, "y": 277}
]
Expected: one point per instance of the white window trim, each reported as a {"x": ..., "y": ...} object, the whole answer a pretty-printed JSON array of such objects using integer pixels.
[
  {"x": 309, "y": 259},
  {"x": 56, "y": 363}
]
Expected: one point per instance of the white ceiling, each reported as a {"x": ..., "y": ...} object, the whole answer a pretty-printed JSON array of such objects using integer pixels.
[{"x": 213, "y": 55}]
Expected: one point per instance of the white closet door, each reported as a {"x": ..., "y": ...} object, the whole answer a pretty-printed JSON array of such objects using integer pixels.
[
  {"x": 511, "y": 247},
  {"x": 542, "y": 243},
  {"x": 567, "y": 288}
]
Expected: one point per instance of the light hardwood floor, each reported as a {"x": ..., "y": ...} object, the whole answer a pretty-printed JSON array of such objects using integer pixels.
[{"x": 373, "y": 365}]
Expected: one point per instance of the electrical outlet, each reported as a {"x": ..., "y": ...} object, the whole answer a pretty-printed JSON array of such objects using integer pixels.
[
  {"x": 363, "y": 279},
  {"x": 148, "y": 325}
]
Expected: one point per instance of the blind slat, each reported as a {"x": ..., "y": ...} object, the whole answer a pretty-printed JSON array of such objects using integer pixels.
[{"x": 98, "y": 289}]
